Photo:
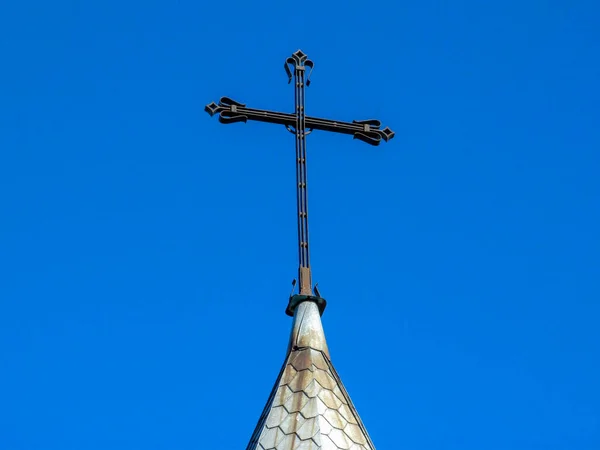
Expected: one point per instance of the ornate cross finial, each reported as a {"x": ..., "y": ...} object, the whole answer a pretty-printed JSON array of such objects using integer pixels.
[{"x": 300, "y": 125}]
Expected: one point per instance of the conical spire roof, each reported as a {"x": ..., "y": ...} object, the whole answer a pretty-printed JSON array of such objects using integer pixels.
[{"x": 309, "y": 408}]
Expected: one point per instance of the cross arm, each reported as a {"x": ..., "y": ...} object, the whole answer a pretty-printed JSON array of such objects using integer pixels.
[
  {"x": 367, "y": 131},
  {"x": 231, "y": 111}
]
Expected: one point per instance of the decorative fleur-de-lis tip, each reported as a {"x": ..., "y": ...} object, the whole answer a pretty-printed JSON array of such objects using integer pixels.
[{"x": 297, "y": 60}]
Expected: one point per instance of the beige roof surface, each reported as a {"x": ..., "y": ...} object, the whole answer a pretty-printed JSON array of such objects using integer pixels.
[{"x": 308, "y": 408}]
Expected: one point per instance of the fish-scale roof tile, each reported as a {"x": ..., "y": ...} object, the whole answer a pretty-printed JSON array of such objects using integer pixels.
[{"x": 309, "y": 408}]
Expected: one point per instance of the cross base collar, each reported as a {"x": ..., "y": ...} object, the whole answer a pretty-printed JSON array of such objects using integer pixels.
[{"x": 295, "y": 300}]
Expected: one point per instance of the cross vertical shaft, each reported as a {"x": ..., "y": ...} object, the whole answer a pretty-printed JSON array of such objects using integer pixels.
[{"x": 300, "y": 63}]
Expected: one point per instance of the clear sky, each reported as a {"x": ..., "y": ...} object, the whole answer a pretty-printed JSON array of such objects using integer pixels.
[{"x": 146, "y": 250}]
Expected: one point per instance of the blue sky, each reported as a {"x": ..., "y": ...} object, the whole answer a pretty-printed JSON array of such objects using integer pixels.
[{"x": 147, "y": 250}]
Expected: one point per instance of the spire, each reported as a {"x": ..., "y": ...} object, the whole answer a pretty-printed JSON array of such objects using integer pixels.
[{"x": 309, "y": 408}]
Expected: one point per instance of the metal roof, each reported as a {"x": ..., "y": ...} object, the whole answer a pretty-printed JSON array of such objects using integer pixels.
[{"x": 309, "y": 408}]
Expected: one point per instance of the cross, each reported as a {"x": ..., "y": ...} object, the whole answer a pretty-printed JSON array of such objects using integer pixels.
[{"x": 300, "y": 125}]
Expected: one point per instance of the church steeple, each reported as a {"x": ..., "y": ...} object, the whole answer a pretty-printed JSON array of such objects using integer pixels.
[{"x": 309, "y": 408}]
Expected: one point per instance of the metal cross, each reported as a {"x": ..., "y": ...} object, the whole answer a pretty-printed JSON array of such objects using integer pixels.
[{"x": 299, "y": 124}]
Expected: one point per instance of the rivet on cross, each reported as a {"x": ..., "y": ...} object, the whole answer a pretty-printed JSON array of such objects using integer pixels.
[{"x": 299, "y": 124}]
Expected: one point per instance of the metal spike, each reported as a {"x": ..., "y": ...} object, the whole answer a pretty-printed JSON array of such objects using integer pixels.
[{"x": 316, "y": 289}]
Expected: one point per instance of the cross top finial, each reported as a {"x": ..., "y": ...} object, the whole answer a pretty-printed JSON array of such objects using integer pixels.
[{"x": 298, "y": 61}]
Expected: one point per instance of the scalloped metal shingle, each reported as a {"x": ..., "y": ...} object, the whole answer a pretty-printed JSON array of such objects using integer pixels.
[{"x": 309, "y": 408}]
